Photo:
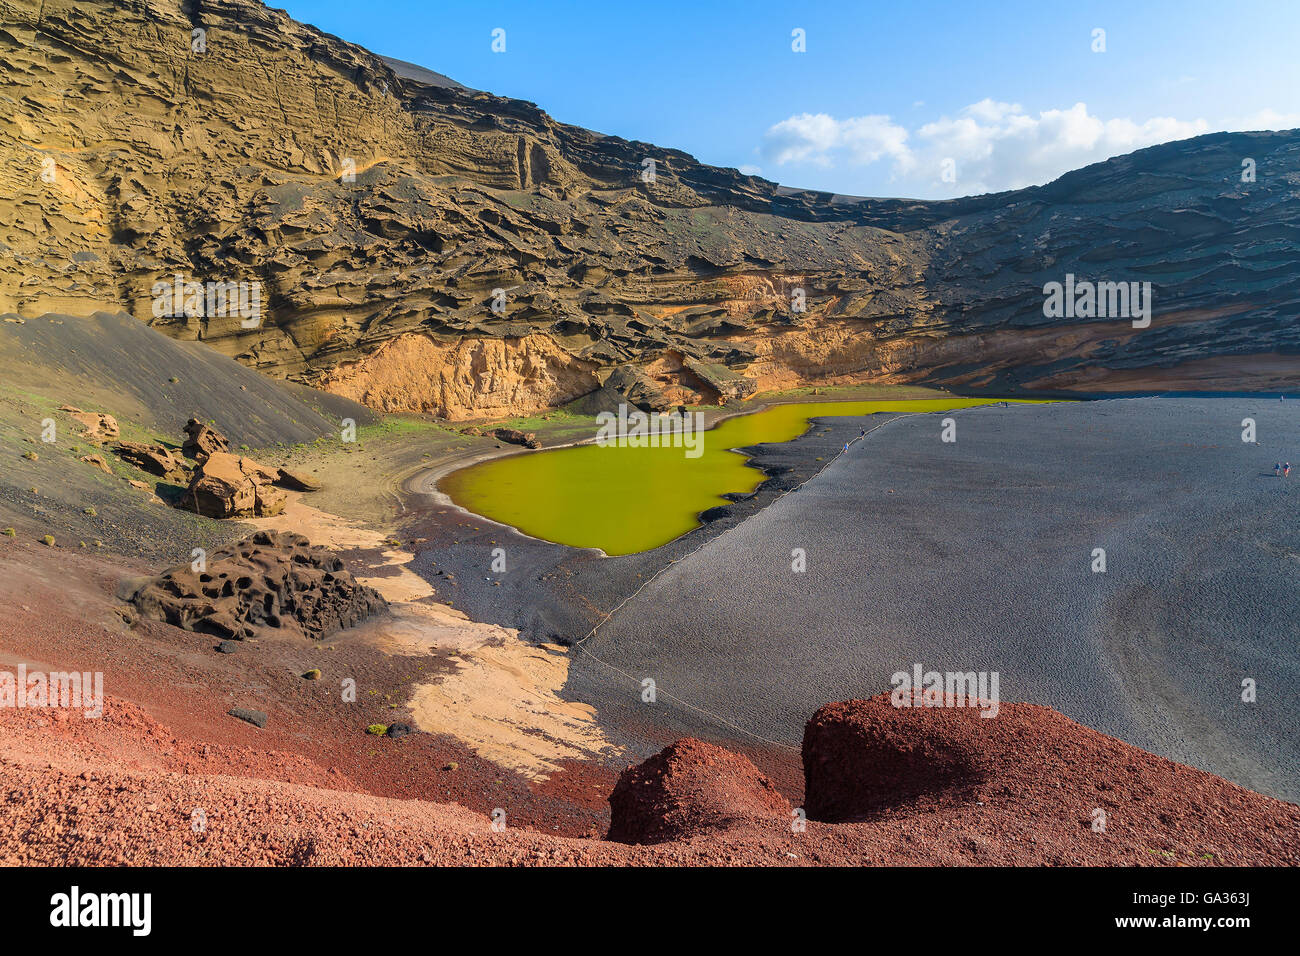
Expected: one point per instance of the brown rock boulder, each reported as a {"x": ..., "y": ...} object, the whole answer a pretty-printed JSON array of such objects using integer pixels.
[
  {"x": 202, "y": 440},
  {"x": 692, "y": 787},
  {"x": 515, "y": 437},
  {"x": 154, "y": 459},
  {"x": 272, "y": 580},
  {"x": 231, "y": 486}
]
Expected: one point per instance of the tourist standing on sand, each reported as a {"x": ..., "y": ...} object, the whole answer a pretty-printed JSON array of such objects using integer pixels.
[
  {"x": 1277, "y": 470},
  {"x": 1286, "y": 469}
]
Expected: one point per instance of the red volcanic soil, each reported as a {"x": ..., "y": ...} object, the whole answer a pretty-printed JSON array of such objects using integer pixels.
[
  {"x": 689, "y": 788},
  {"x": 57, "y": 614},
  {"x": 884, "y": 785},
  {"x": 1031, "y": 775}
]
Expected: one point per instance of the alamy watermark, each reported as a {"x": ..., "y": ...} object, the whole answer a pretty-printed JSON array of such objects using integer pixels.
[
  {"x": 133, "y": 911},
  {"x": 922, "y": 688},
  {"x": 1083, "y": 299},
  {"x": 638, "y": 429},
  {"x": 68, "y": 690},
  {"x": 242, "y": 300}
]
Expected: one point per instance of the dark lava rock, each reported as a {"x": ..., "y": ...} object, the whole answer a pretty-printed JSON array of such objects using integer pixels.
[
  {"x": 272, "y": 580},
  {"x": 399, "y": 730},
  {"x": 637, "y": 388},
  {"x": 254, "y": 717},
  {"x": 227, "y": 647},
  {"x": 716, "y": 513}
]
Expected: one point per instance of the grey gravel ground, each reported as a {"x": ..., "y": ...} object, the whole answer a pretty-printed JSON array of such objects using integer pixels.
[{"x": 977, "y": 555}]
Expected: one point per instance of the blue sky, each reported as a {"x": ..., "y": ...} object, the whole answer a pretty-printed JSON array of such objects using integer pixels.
[{"x": 921, "y": 99}]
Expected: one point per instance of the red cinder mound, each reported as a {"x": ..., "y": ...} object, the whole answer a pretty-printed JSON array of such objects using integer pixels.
[
  {"x": 1031, "y": 775},
  {"x": 691, "y": 787},
  {"x": 864, "y": 756}
]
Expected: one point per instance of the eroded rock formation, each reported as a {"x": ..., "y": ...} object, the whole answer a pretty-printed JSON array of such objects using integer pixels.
[
  {"x": 153, "y": 458},
  {"x": 232, "y": 486},
  {"x": 272, "y": 580},
  {"x": 202, "y": 440}
]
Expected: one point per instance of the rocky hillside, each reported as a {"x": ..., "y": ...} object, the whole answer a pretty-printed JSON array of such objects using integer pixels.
[{"x": 379, "y": 208}]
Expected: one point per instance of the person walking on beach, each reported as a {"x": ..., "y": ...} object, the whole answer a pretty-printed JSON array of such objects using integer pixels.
[
  {"x": 1277, "y": 470},
  {"x": 1286, "y": 469}
]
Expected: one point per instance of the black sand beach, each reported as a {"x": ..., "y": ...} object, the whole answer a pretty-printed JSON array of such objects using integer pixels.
[{"x": 977, "y": 555}]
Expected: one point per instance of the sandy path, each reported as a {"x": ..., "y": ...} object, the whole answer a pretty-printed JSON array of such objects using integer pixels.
[{"x": 503, "y": 701}]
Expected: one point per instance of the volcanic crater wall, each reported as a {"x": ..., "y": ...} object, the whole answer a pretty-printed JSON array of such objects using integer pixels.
[{"x": 381, "y": 209}]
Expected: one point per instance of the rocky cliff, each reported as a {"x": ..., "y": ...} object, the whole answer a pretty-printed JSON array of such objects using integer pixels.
[{"x": 416, "y": 244}]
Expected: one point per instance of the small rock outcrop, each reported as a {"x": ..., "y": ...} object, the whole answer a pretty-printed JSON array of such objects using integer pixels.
[
  {"x": 255, "y": 717},
  {"x": 155, "y": 459},
  {"x": 98, "y": 462},
  {"x": 99, "y": 426},
  {"x": 514, "y": 436},
  {"x": 232, "y": 486},
  {"x": 275, "y": 580},
  {"x": 202, "y": 440},
  {"x": 692, "y": 787}
]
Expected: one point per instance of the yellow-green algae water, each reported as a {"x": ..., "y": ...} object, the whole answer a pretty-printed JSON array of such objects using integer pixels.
[{"x": 623, "y": 499}]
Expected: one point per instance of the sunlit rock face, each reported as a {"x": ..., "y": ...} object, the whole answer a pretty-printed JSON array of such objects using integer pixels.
[{"x": 416, "y": 244}]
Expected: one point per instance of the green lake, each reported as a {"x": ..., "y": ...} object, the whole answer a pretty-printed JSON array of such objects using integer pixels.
[{"x": 623, "y": 499}]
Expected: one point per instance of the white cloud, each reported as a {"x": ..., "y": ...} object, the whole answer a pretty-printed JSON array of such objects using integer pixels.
[
  {"x": 1265, "y": 119},
  {"x": 749, "y": 169},
  {"x": 818, "y": 138},
  {"x": 871, "y": 138},
  {"x": 993, "y": 145},
  {"x": 1000, "y": 146}
]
